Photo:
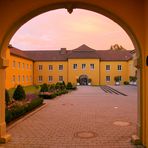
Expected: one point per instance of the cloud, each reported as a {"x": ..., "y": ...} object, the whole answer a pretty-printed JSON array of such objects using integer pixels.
[{"x": 56, "y": 29}]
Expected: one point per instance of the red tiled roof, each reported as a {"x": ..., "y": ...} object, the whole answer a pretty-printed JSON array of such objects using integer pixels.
[
  {"x": 114, "y": 55},
  {"x": 82, "y": 52}
]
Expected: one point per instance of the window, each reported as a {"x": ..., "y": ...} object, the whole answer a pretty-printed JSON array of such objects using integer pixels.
[
  {"x": 83, "y": 66},
  {"x": 27, "y": 66},
  {"x": 75, "y": 66},
  {"x": 30, "y": 78},
  {"x": 92, "y": 66},
  {"x": 13, "y": 65},
  {"x": 13, "y": 78},
  {"x": 120, "y": 78},
  {"x": 40, "y": 78},
  {"x": 19, "y": 65},
  {"x": 107, "y": 67},
  {"x": 119, "y": 67},
  {"x": 107, "y": 78},
  {"x": 50, "y": 67},
  {"x": 30, "y": 66},
  {"x": 23, "y": 65},
  {"x": 40, "y": 67},
  {"x": 61, "y": 78},
  {"x": 60, "y": 67},
  {"x": 50, "y": 78},
  {"x": 23, "y": 78},
  {"x": 18, "y": 78},
  {"x": 26, "y": 78}
]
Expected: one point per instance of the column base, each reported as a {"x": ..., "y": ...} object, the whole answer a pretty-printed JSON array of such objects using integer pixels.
[
  {"x": 136, "y": 140},
  {"x": 5, "y": 139}
]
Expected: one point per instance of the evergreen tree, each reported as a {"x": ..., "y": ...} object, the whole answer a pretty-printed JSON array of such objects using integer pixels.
[{"x": 19, "y": 93}]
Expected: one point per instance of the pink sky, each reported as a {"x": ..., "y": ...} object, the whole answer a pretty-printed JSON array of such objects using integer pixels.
[{"x": 57, "y": 29}]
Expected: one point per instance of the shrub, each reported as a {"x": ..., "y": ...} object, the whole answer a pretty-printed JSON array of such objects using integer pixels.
[
  {"x": 19, "y": 93},
  {"x": 44, "y": 88},
  {"x": 64, "y": 84},
  {"x": 19, "y": 110},
  {"x": 117, "y": 78},
  {"x": 89, "y": 80},
  {"x": 126, "y": 83},
  {"x": 7, "y": 97},
  {"x": 52, "y": 87},
  {"x": 69, "y": 85}
]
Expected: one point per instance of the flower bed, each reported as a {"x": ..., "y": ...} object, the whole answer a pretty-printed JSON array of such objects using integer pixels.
[{"x": 20, "y": 108}]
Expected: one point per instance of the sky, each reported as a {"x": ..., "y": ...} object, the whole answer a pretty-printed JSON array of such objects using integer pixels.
[{"x": 58, "y": 29}]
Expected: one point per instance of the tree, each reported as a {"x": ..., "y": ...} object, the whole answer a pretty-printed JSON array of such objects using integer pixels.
[
  {"x": 69, "y": 85},
  {"x": 19, "y": 93}
]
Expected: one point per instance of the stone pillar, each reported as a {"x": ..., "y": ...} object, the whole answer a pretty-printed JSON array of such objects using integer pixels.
[{"x": 4, "y": 137}]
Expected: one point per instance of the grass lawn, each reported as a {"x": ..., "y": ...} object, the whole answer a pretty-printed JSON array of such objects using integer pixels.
[{"x": 28, "y": 89}]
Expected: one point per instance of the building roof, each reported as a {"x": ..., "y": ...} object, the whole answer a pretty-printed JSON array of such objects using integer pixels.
[
  {"x": 82, "y": 52},
  {"x": 114, "y": 55}
]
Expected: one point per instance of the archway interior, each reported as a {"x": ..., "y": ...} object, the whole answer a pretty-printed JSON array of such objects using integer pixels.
[{"x": 87, "y": 78}]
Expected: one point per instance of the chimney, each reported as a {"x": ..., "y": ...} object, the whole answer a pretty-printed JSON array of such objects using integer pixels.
[{"x": 63, "y": 51}]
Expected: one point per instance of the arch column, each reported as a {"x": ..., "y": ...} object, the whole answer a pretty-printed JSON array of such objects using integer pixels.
[{"x": 4, "y": 137}]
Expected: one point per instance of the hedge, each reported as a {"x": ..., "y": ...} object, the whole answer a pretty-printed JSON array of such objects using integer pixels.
[
  {"x": 18, "y": 111},
  {"x": 52, "y": 95}
]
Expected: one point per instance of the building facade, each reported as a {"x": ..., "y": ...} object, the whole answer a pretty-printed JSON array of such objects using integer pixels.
[{"x": 82, "y": 65}]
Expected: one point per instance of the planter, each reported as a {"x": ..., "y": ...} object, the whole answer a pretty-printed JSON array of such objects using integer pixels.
[
  {"x": 117, "y": 83},
  {"x": 89, "y": 83},
  {"x": 131, "y": 82},
  {"x": 134, "y": 83}
]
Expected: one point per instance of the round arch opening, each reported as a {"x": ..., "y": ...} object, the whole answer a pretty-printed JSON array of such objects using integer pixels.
[{"x": 70, "y": 6}]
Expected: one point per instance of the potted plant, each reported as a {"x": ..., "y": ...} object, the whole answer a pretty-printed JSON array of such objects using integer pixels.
[
  {"x": 131, "y": 80},
  {"x": 117, "y": 80},
  {"x": 78, "y": 83},
  {"x": 134, "y": 80},
  {"x": 89, "y": 81}
]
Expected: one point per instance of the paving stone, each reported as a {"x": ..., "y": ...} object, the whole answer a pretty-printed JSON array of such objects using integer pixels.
[{"x": 86, "y": 109}]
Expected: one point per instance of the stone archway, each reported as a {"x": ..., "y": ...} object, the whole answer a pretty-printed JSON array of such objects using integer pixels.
[
  {"x": 83, "y": 79},
  {"x": 118, "y": 11}
]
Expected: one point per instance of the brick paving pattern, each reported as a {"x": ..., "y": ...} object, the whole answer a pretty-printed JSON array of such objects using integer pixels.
[{"x": 86, "y": 111}]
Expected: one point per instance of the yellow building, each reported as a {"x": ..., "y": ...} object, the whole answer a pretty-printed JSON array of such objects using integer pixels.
[
  {"x": 83, "y": 66},
  {"x": 20, "y": 70}
]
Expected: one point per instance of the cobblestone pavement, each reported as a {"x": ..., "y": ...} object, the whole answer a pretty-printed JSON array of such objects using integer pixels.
[{"x": 85, "y": 118}]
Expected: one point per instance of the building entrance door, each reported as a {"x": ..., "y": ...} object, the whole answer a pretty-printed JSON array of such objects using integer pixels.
[{"x": 83, "y": 79}]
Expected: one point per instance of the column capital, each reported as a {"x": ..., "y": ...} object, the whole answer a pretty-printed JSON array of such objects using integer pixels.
[{"x": 3, "y": 63}]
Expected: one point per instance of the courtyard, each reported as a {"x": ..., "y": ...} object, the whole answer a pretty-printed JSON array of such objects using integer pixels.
[{"x": 86, "y": 118}]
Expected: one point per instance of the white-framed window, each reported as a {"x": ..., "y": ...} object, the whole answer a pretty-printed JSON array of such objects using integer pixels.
[
  {"x": 119, "y": 67},
  {"x": 61, "y": 78},
  {"x": 107, "y": 67},
  {"x": 13, "y": 78},
  {"x": 40, "y": 78},
  {"x": 40, "y": 67},
  {"x": 13, "y": 64},
  {"x": 19, "y": 78},
  {"x": 19, "y": 65},
  {"x": 60, "y": 67},
  {"x": 50, "y": 78},
  {"x": 50, "y": 67},
  {"x": 92, "y": 66},
  {"x": 107, "y": 78},
  {"x": 75, "y": 66},
  {"x": 23, "y": 78},
  {"x": 83, "y": 66}
]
